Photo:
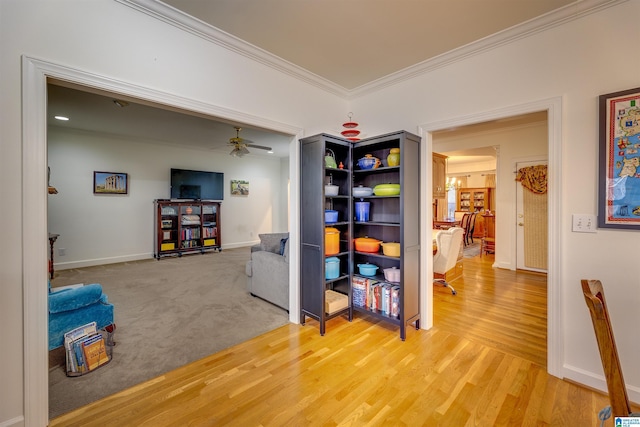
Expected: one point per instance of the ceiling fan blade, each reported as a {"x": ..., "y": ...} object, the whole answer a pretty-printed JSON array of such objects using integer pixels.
[{"x": 261, "y": 147}]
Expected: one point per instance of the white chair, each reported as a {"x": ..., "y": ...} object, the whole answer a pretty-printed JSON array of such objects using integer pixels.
[{"x": 448, "y": 243}]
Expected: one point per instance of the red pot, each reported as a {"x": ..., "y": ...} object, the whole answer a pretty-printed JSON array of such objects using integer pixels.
[{"x": 367, "y": 244}]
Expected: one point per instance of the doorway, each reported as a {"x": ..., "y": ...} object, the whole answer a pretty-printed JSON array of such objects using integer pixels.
[
  {"x": 505, "y": 228},
  {"x": 34, "y": 231}
]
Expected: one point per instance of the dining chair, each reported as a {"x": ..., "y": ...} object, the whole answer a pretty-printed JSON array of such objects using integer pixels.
[
  {"x": 594, "y": 296},
  {"x": 468, "y": 234},
  {"x": 464, "y": 224},
  {"x": 448, "y": 242}
]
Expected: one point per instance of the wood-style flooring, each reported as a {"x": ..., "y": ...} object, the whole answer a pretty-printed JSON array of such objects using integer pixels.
[{"x": 483, "y": 364}]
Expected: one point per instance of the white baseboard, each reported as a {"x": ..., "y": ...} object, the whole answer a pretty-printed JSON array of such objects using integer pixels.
[
  {"x": 597, "y": 382},
  {"x": 101, "y": 261},
  {"x": 14, "y": 422},
  {"x": 128, "y": 258}
]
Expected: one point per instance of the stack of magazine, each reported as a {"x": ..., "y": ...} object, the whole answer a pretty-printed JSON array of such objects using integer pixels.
[{"x": 86, "y": 350}]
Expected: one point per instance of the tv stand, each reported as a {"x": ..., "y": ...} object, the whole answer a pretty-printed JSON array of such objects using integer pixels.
[{"x": 186, "y": 226}]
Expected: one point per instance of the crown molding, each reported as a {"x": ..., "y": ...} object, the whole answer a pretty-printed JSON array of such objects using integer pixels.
[
  {"x": 568, "y": 13},
  {"x": 179, "y": 19},
  {"x": 188, "y": 23}
]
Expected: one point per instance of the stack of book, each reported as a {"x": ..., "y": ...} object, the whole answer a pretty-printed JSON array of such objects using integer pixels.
[{"x": 85, "y": 349}]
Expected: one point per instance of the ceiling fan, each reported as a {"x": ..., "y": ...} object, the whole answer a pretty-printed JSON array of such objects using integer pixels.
[{"x": 240, "y": 145}]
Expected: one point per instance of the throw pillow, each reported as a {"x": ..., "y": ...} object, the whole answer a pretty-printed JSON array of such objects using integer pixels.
[{"x": 283, "y": 243}]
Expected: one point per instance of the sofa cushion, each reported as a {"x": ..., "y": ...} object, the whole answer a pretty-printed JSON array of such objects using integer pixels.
[
  {"x": 72, "y": 299},
  {"x": 271, "y": 241}
]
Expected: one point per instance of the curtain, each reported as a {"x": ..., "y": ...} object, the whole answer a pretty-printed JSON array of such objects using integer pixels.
[
  {"x": 533, "y": 178},
  {"x": 490, "y": 180}
]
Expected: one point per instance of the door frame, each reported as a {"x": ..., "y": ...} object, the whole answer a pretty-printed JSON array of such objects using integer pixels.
[
  {"x": 35, "y": 73},
  {"x": 553, "y": 107}
]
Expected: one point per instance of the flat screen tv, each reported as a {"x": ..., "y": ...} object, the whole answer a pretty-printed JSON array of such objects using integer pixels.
[{"x": 201, "y": 185}]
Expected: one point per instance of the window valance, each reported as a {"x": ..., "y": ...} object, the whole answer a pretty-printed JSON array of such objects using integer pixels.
[{"x": 533, "y": 178}]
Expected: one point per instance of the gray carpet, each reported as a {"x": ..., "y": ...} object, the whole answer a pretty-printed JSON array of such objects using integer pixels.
[{"x": 168, "y": 313}]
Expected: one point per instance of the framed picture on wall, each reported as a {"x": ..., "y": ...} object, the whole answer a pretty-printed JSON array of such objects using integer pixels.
[
  {"x": 239, "y": 188},
  {"x": 110, "y": 183},
  {"x": 619, "y": 177}
]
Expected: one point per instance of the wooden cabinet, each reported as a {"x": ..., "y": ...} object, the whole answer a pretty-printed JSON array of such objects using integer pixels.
[
  {"x": 186, "y": 226},
  {"x": 326, "y": 260},
  {"x": 439, "y": 176},
  {"x": 473, "y": 199},
  {"x": 392, "y": 218}
]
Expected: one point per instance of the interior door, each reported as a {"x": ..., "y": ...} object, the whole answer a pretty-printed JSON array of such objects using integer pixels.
[{"x": 531, "y": 226}]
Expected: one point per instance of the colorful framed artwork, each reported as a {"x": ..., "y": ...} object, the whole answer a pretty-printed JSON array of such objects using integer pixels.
[
  {"x": 110, "y": 183},
  {"x": 619, "y": 178},
  {"x": 239, "y": 188}
]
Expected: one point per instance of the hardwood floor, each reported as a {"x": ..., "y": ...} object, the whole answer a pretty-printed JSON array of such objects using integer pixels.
[{"x": 483, "y": 364}]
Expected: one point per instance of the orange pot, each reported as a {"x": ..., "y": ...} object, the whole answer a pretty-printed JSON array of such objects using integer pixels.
[
  {"x": 367, "y": 244},
  {"x": 331, "y": 241}
]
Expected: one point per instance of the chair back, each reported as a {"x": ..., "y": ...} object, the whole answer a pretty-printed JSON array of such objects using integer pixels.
[
  {"x": 594, "y": 297},
  {"x": 457, "y": 215},
  {"x": 464, "y": 222},
  {"x": 448, "y": 243}
]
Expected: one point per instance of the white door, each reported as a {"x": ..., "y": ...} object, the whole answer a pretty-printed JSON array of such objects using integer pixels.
[{"x": 531, "y": 227}]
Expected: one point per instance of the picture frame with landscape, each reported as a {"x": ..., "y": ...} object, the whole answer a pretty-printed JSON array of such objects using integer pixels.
[{"x": 110, "y": 183}]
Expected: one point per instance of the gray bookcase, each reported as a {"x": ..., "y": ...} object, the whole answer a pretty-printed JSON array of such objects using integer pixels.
[{"x": 393, "y": 218}]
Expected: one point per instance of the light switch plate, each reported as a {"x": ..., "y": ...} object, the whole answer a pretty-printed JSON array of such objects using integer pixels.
[{"x": 584, "y": 223}]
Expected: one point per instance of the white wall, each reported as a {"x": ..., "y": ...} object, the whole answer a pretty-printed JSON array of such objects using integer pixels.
[
  {"x": 114, "y": 43},
  {"x": 98, "y": 229},
  {"x": 577, "y": 61}
]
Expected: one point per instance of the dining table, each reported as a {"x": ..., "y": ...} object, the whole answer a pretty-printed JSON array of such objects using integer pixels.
[{"x": 445, "y": 223}]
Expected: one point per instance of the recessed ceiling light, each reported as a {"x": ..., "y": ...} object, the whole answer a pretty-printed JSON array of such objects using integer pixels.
[{"x": 63, "y": 118}]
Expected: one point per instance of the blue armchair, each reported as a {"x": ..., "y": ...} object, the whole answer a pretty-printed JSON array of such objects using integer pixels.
[{"x": 70, "y": 307}]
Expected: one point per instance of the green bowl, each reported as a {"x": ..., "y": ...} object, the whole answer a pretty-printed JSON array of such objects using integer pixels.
[{"x": 386, "y": 189}]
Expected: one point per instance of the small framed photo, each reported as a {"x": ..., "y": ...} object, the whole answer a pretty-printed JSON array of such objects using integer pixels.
[
  {"x": 239, "y": 188},
  {"x": 110, "y": 183},
  {"x": 619, "y": 178}
]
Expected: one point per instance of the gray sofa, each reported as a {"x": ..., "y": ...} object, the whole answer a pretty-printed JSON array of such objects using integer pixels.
[{"x": 268, "y": 269}]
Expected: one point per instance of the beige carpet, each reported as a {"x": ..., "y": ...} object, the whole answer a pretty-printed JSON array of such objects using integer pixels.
[
  {"x": 168, "y": 313},
  {"x": 473, "y": 249}
]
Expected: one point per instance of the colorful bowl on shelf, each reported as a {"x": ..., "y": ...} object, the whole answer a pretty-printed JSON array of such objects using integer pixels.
[
  {"x": 367, "y": 269},
  {"x": 367, "y": 244},
  {"x": 386, "y": 189},
  {"x": 369, "y": 162},
  {"x": 361, "y": 191},
  {"x": 330, "y": 216}
]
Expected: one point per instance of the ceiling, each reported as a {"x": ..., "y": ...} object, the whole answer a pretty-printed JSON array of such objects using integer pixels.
[
  {"x": 354, "y": 42},
  {"x": 90, "y": 110},
  {"x": 340, "y": 41}
]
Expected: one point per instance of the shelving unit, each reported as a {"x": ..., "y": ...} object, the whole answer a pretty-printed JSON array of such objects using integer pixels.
[
  {"x": 186, "y": 226},
  {"x": 474, "y": 199},
  {"x": 391, "y": 219},
  {"x": 313, "y": 237}
]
